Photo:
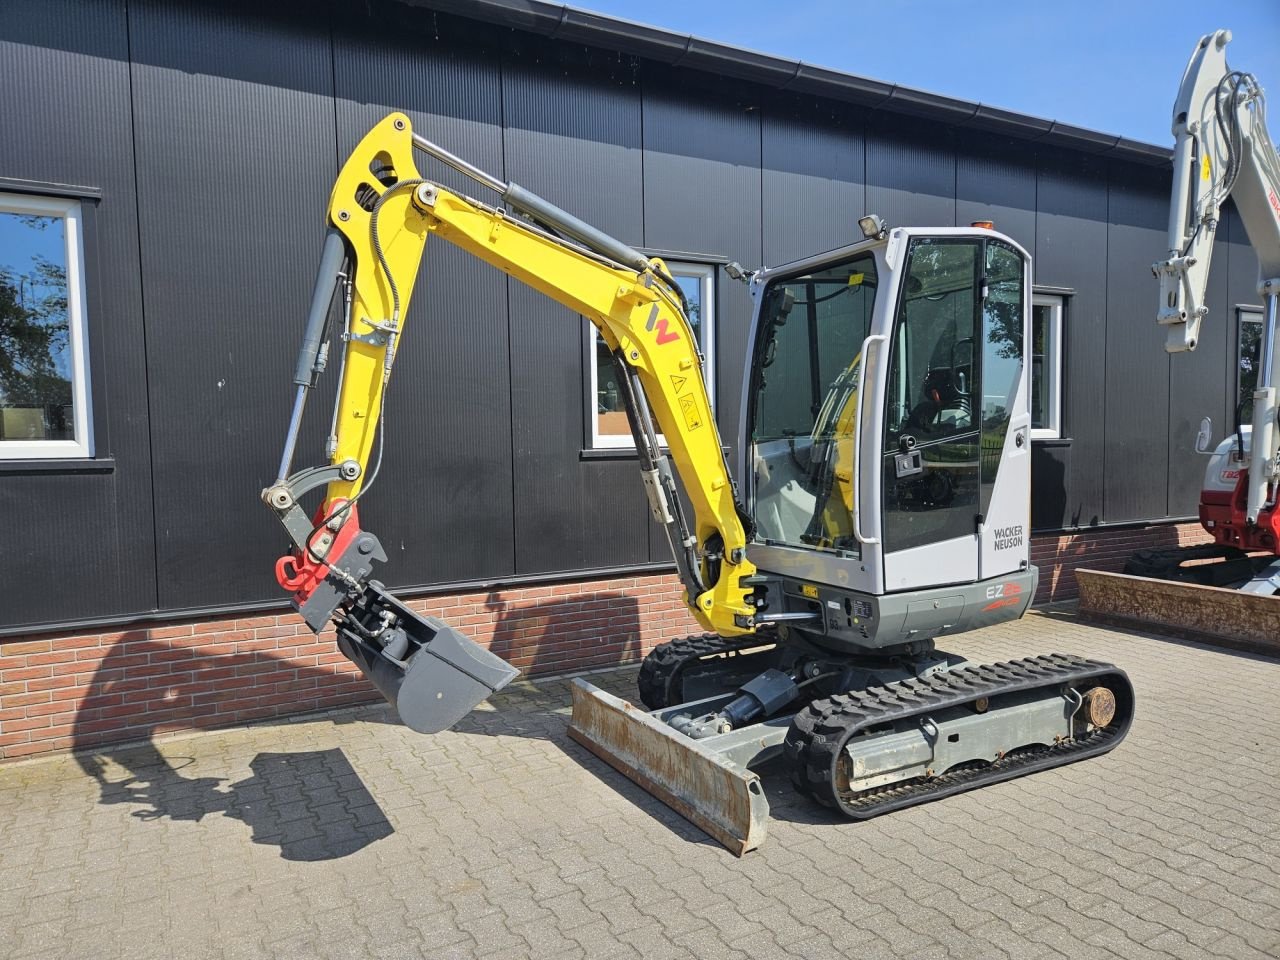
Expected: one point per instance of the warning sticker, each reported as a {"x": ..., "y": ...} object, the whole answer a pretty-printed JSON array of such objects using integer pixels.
[
  {"x": 678, "y": 382},
  {"x": 689, "y": 407}
]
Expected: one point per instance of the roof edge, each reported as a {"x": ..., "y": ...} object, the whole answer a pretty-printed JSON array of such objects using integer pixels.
[{"x": 563, "y": 22}]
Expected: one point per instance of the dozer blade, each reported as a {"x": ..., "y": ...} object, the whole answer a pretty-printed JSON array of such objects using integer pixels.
[
  {"x": 721, "y": 798},
  {"x": 432, "y": 674}
]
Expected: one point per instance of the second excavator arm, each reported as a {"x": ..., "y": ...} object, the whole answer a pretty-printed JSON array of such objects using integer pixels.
[
  {"x": 381, "y": 215},
  {"x": 1223, "y": 150}
]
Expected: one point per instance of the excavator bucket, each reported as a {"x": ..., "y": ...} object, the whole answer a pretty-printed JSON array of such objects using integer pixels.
[
  {"x": 720, "y": 797},
  {"x": 432, "y": 674}
]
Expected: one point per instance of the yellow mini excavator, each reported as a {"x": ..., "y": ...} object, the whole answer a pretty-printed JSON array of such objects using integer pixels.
[{"x": 885, "y": 503}]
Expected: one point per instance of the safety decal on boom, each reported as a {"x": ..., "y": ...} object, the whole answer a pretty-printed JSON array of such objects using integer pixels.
[
  {"x": 689, "y": 407},
  {"x": 678, "y": 382}
]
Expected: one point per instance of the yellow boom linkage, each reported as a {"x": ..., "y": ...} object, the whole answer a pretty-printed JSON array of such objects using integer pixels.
[{"x": 384, "y": 211}]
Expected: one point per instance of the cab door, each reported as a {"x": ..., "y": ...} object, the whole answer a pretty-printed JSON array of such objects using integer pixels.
[
  {"x": 931, "y": 461},
  {"x": 956, "y": 476},
  {"x": 1004, "y": 504}
]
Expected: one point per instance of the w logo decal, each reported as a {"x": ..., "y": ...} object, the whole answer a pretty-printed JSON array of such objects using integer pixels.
[{"x": 664, "y": 334}]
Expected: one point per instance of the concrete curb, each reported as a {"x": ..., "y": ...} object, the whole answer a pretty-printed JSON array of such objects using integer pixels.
[{"x": 1213, "y": 615}]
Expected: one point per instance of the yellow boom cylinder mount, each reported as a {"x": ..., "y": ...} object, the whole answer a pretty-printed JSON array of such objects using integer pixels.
[{"x": 372, "y": 207}]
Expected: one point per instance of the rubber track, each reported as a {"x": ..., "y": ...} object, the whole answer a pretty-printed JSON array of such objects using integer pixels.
[
  {"x": 1165, "y": 563},
  {"x": 666, "y": 660},
  {"x": 819, "y": 732}
]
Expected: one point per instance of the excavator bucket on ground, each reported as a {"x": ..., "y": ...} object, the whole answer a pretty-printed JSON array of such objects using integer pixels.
[{"x": 703, "y": 785}]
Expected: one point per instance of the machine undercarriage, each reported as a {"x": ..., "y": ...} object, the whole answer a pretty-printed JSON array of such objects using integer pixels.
[{"x": 862, "y": 733}]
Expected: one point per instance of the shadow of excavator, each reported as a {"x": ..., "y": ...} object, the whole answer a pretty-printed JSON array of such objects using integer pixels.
[
  {"x": 574, "y": 633},
  {"x": 311, "y": 804}
]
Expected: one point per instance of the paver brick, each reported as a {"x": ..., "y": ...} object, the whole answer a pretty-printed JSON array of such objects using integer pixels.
[{"x": 346, "y": 835}]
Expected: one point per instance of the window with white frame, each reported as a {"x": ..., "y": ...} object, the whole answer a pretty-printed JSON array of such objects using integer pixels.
[
  {"x": 609, "y": 427},
  {"x": 44, "y": 380},
  {"x": 1046, "y": 366}
]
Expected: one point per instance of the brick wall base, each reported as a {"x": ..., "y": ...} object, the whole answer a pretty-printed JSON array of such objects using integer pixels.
[
  {"x": 1059, "y": 555},
  {"x": 84, "y": 689},
  {"x": 73, "y": 690}
]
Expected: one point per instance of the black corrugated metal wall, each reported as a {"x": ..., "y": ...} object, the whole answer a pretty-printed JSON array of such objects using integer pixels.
[{"x": 213, "y": 132}]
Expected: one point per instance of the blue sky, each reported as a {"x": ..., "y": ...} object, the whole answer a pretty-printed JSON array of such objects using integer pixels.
[
  {"x": 21, "y": 243},
  {"x": 1110, "y": 66}
]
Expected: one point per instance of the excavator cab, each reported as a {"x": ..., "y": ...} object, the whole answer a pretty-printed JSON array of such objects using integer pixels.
[{"x": 888, "y": 405}]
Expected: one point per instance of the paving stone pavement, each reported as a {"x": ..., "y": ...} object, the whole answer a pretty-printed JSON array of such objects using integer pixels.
[{"x": 348, "y": 836}]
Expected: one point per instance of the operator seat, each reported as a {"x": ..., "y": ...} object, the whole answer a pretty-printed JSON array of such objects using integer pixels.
[{"x": 941, "y": 405}]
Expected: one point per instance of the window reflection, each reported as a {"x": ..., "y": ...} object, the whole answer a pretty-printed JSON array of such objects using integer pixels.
[
  {"x": 1039, "y": 356},
  {"x": 1045, "y": 357},
  {"x": 35, "y": 351},
  {"x": 1249, "y": 349},
  {"x": 934, "y": 404},
  {"x": 611, "y": 427},
  {"x": 1002, "y": 338}
]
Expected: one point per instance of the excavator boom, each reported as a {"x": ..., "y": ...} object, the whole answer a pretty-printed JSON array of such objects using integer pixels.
[
  {"x": 1223, "y": 150},
  {"x": 381, "y": 215}
]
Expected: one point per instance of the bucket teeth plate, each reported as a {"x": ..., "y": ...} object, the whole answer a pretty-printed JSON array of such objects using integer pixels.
[{"x": 717, "y": 796}]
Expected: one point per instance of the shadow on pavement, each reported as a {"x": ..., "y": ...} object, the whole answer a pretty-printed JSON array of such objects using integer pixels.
[
  {"x": 637, "y": 796},
  {"x": 542, "y": 638},
  {"x": 311, "y": 804}
]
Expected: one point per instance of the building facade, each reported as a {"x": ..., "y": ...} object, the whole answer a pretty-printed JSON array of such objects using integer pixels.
[{"x": 162, "y": 183}]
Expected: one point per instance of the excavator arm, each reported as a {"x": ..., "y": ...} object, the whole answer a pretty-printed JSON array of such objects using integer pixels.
[
  {"x": 382, "y": 213},
  {"x": 1222, "y": 149}
]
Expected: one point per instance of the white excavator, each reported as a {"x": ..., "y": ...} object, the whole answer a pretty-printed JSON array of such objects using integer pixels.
[
  {"x": 885, "y": 503},
  {"x": 1223, "y": 150}
]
